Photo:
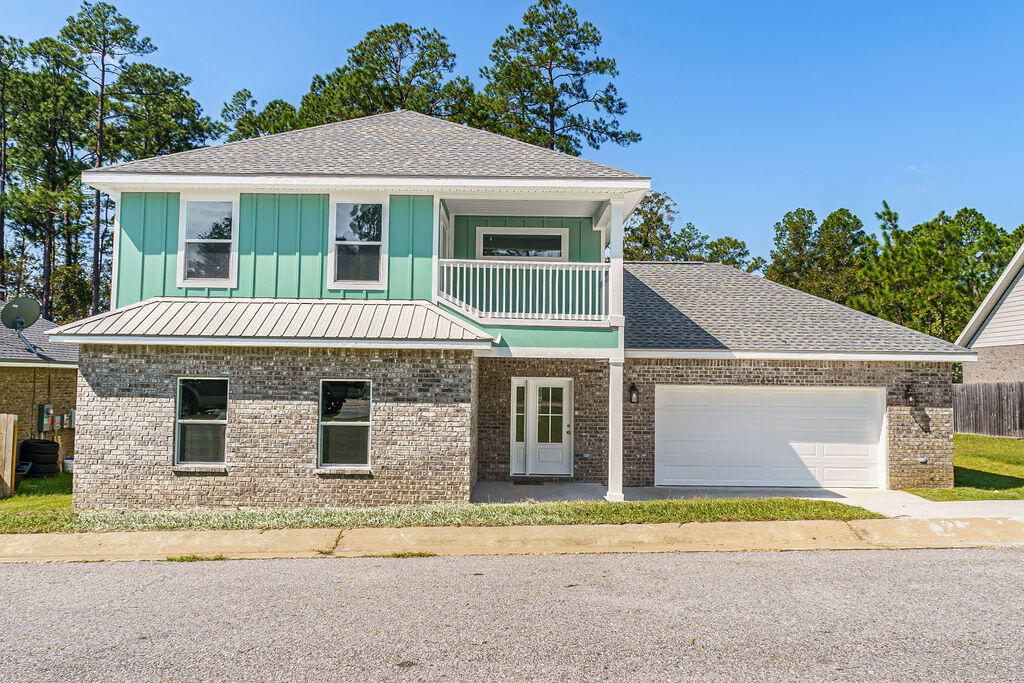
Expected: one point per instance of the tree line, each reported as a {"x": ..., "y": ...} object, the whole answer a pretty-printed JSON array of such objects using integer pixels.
[
  {"x": 86, "y": 98},
  {"x": 930, "y": 277}
]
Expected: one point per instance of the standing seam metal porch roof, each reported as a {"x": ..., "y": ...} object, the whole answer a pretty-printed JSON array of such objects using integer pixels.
[
  {"x": 278, "y": 319},
  {"x": 400, "y": 144}
]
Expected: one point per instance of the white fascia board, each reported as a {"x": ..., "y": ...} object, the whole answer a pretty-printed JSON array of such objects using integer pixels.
[
  {"x": 37, "y": 364},
  {"x": 468, "y": 344},
  {"x": 988, "y": 304},
  {"x": 109, "y": 182},
  {"x": 802, "y": 355}
]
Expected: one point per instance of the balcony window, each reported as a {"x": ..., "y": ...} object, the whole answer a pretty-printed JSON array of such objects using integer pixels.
[{"x": 523, "y": 244}]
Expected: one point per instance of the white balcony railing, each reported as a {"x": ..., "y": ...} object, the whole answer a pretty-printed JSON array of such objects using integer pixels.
[{"x": 525, "y": 290}]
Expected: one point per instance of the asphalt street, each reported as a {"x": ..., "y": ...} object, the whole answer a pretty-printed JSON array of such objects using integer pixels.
[{"x": 861, "y": 615}]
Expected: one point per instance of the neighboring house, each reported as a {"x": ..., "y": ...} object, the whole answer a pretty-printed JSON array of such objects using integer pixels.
[
  {"x": 389, "y": 309},
  {"x": 28, "y": 382},
  {"x": 996, "y": 331}
]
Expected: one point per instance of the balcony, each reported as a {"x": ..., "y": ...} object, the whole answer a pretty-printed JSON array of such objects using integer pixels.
[{"x": 525, "y": 292}]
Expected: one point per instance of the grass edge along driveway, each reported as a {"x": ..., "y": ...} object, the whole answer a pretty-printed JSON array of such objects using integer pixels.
[
  {"x": 38, "y": 508},
  {"x": 984, "y": 468}
]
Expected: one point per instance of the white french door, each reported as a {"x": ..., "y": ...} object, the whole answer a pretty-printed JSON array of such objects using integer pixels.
[{"x": 541, "y": 429}]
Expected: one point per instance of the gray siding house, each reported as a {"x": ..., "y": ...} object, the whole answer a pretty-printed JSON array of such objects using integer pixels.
[{"x": 996, "y": 330}]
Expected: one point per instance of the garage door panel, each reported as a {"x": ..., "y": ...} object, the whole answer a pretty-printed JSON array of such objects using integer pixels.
[{"x": 768, "y": 436}]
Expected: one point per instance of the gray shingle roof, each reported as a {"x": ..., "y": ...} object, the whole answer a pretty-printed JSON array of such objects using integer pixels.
[
  {"x": 401, "y": 143},
  {"x": 13, "y": 350},
  {"x": 709, "y": 306},
  {"x": 279, "y": 320}
]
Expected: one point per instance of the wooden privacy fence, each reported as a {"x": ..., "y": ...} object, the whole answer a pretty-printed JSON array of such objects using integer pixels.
[
  {"x": 991, "y": 409},
  {"x": 8, "y": 443}
]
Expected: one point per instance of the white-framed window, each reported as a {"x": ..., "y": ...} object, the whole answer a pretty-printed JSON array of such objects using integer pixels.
[
  {"x": 345, "y": 420},
  {"x": 208, "y": 240},
  {"x": 529, "y": 244},
  {"x": 201, "y": 418},
  {"x": 357, "y": 249}
]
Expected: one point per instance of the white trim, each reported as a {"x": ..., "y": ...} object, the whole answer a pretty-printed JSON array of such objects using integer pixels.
[
  {"x": 803, "y": 355},
  {"x": 993, "y": 297},
  {"x": 470, "y": 344},
  {"x": 115, "y": 249},
  {"x": 124, "y": 180},
  {"x": 332, "y": 244},
  {"x": 434, "y": 255},
  {"x": 231, "y": 281},
  {"x": 615, "y": 383},
  {"x": 178, "y": 422},
  {"x": 37, "y": 364},
  {"x": 343, "y": 468},
  {"x": 563, "y": 233}
]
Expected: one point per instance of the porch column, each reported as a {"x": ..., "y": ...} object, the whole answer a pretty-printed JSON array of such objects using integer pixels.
[{"x": 614, "y": 432}]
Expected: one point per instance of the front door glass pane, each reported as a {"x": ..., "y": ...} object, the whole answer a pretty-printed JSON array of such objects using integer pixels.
[{"x": 549, "y": 414}]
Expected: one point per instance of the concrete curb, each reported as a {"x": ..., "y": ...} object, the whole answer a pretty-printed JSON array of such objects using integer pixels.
[{"x": 876, "y": 534}]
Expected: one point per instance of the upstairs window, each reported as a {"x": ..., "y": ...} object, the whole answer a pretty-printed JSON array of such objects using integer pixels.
[
  {"x": 208, "y": 250},
  {"x": 529, "y": 244},
  {"x": 358, "y": 246}
]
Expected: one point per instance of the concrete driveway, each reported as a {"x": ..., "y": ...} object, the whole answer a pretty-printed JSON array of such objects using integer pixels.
[
  {"x": 888, "y": 503},
  {"x": 853, "y": 615}
]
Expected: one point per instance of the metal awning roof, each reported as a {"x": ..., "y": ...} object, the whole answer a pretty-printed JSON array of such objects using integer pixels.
[{"x": 286, "y": 322}]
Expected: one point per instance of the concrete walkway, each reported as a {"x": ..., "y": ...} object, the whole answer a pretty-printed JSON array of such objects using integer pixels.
[
  {"x": 888, "y": 503},
  {"x": 878, "y": 534}
]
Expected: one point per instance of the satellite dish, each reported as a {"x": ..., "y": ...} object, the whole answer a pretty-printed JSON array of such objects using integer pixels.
[{"x": 20, "y": 313}]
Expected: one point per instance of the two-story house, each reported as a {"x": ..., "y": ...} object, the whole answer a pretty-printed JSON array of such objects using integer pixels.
[{"x": 389, "y": 309}]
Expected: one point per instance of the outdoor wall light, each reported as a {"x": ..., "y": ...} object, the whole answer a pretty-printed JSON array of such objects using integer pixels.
[
  {"x": 908, "y": 393},
  {"x": 634, "y": 393}
]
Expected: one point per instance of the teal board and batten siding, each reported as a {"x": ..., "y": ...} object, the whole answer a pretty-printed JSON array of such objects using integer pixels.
[
  {"x": 584, "y": 242},
  {"x": 282, "y": 248}
]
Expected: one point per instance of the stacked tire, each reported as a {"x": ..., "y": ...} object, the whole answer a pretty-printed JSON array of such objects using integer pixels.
[{"x": 44, "y": 456}]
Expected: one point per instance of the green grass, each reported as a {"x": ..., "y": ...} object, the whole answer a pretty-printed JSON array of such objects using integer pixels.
[
  {"x": 984, "y": 468},
  {"x": 40, "y": 495},
  {"x": 195, "y": 558},
  {"x": 19, "y": 516},
  {"x": 406, "y": 553}
]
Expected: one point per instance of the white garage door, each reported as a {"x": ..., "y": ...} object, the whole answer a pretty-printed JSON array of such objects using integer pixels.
[{"x": 768, "y": 436}]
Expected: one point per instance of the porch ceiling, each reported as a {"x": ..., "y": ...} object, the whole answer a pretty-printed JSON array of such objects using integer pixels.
[{"x": 468, "y": 206}]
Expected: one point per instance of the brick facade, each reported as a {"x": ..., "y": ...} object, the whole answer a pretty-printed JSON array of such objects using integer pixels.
[
  {"x": 590, "y": 413},
  {"x": 422, "y": 446},
  {"x": 925, "y": 430},
  {"x": 996, "y": 364},
  {"x": 23, "y": 389}
]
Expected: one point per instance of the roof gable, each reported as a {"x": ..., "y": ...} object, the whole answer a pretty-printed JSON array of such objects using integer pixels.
[
  {"x": 400, "y": 144},
  {"x": 1004, "y": 295}
]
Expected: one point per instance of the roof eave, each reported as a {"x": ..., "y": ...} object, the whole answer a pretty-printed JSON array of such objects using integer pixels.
[
  {"x": 135, "y": 340},
  {"x": 759, "y": 354}
]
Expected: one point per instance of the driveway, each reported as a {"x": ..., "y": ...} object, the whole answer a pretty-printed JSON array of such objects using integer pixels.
[
  {"x": 854, "y": 615},
  {"x": 888, "y": 503}
]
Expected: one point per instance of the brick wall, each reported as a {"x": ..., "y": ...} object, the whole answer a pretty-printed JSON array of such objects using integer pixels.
[
  {"x": 924, "y": 430},
  {"x": 23, "y": 389},
  {"x": 996, "y": 364},
  {"x": 590, "y": 413},
  {"x": 421, "y": 443}
]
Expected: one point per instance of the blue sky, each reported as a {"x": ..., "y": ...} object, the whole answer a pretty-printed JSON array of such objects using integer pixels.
[{"x": 748, "y": 109}]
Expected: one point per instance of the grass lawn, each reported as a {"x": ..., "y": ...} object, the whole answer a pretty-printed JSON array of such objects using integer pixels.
[
  {"x": 984, "y": 468},
  {"x": 45, "y": 505}
]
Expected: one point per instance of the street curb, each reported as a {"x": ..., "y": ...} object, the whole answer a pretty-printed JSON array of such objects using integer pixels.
[{"x": 874, "y": 534}]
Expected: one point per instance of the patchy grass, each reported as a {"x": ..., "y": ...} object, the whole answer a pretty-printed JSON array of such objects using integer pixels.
[
  {"x": 40, "y": 495},
  {"x": 470, "y": 514},
  {"x": 984, "y": 468},
  {"x": 195, "y": 558},
  {"x": 405, "y": 553}
]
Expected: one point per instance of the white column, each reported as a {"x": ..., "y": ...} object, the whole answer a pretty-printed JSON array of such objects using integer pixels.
[
  {"x": 615, "y": 263},
  {"x": 434, "y": 255},
  {"x": 614, "y": 432}
]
